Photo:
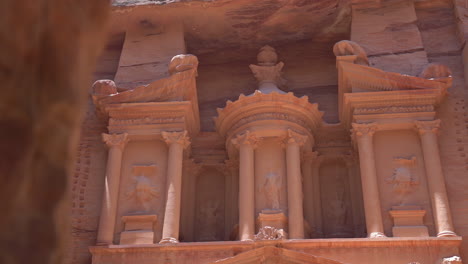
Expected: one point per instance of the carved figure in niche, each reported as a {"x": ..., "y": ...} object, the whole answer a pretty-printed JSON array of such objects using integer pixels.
[
  {"x": 143, "y": 192},
  {"x": 269, "y": 233},
  {"x": 402, "y": 178},
  {"x": 208, "y": 219},
  {"x": 338, "y": 204},
  {"x": 272, "y": 189}
]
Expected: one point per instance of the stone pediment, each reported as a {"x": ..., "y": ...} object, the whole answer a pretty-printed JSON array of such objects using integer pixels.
[
  {"x": 173, "y": 88},
  {"x": 274, "y": 255},
  {"x": 168, "y": 102},
  {"x": 369, "y": 94}
]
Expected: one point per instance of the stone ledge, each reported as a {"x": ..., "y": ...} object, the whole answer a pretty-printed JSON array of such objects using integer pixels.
[{"x": 289, "y": 244}]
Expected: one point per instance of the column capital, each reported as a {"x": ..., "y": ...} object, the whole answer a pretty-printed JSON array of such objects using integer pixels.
[
  {"x": 176, "y": 138},
  {"x": 424, "y": 127},
  {"x": 245, "y": 138},
  {"x": 360, "y": 130},
  {"x": 295, "y": 138},
  {"x": 115, "y": 140}
]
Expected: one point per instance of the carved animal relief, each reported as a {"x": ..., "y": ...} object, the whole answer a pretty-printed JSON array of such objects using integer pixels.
[
  {"x": 403, "y": 179},
  {"x": 143, "y": 191}
]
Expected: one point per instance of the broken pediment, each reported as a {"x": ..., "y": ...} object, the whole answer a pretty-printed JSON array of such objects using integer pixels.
[
  {"x": 168, "y": 102},
  {"x": 179, "y": 86},
  {"x": 365, "y": 92},
  {"x": 274, "y": 255}
]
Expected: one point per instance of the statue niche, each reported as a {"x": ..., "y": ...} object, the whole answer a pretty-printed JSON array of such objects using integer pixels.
[
  {"x": 336, "y": 197},
  {"x": 209, "y": 216},
  {"x": 143, "y": 192},
  {"x": 272, "y": 190}
]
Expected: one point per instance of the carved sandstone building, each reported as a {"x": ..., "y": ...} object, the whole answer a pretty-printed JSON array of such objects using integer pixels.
[{"x": 276, "y": 132}]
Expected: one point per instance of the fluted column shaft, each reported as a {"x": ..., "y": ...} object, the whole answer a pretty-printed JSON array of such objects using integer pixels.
[
  {"x": 370, "y": 189},
  {"x": 435, "y": 177},
  {"x": 294, "y": 142},
  {"x": 116, "y": 144},
  {"x": 177, "y": 142},
  {"x": 246, "y": 143}
]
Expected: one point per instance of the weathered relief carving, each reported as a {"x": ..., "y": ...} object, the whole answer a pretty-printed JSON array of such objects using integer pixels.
[
  {"x": 104, "y": 87},
  {"x": 269, "y": 233},
  {"x": 209, "y": 217},
  {"x": 452, "y": 260},
  {"x": 272, "y": 190},
  {"x": 347, "y": 48},
  {"x": 143, "y": 191},
  {"x": 435, "y": 71},
  {"x": 402, "y": 179},
  {"x": 182, "y": 63}
]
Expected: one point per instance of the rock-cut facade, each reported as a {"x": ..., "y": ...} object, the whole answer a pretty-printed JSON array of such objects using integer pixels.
[{"x": 276, "y": 132}]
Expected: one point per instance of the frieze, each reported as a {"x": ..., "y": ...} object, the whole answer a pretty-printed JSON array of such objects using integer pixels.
[
  {"x": 394, "y": 109},
  {"x": 144, "y": 121},
  {"x": 269, "y": 116}
]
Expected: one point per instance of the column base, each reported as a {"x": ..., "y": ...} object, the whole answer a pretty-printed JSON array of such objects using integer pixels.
[
  {"x": 247, "y": 240},
  {"x": 446, "y": 234},
  {"x": 377, "y": 235},
  {"x": 169, "y": 240}
]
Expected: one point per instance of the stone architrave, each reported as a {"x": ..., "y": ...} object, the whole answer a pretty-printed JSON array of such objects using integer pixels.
[
  {"x": 435, "y": 177},
  {"x": 246, "y": 144},
  {"x": 294, "y": 142},
  {"x": 116, "y": 144},
  {"x": 363, "y": 134},
  {"x": 177, "y": 142}
]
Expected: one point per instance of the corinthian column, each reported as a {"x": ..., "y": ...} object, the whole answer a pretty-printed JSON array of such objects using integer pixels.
[
  {"x": 246, "y": 143},
  {"x": 370, "y": 190},
  {"x": 308, "y": 157},
  {"x": 435, "y": 177},
  {"x": 116, "y": 144},
  {"x": 294, "y": 141},
  {"x": 177, "y": 142}
]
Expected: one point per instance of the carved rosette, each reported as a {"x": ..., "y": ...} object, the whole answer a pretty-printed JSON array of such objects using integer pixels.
[
  {"x": 115, "y": 140},
  {"x": 424, "y": 127},
  {"x": 176, "y": 138},
  {"x": 245, "y": 138}
]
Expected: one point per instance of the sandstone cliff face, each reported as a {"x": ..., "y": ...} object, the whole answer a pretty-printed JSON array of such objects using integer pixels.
[{"x": 399, "y": 36}]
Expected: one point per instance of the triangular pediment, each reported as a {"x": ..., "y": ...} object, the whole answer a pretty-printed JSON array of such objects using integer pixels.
[{"x": 274, "y": 255}]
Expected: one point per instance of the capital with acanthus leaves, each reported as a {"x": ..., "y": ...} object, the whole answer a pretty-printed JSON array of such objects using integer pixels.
[
  {"x": 115, "y": 140},
  {"x": 176, "y": 138}
]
